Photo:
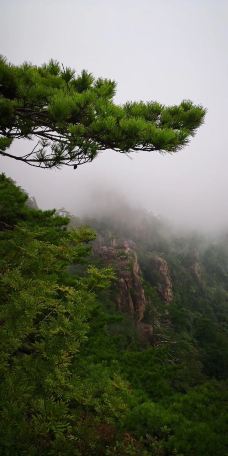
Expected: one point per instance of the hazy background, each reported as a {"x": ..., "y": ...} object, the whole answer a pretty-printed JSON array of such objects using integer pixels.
[{"x": 164, "y": 50}]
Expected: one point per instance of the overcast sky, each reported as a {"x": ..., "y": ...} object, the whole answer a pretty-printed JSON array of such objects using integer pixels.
[{"x": 164, "y": 50}]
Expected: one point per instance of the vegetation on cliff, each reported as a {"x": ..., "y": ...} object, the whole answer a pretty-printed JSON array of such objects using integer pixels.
[{"x": 77, "y": 377}]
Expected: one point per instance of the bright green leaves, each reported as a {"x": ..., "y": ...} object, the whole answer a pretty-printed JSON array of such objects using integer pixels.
[
  {"x": 7, "y": 113},
  {"x": 105, "y": 88},
  {"x": 5, "y": 143},
  {"x": 187, "y": 424},
  {"x": 74, "y": 117},
  {"x": 8, "y": 81},
  {"x": 148, "y": 111},
  {"x": 83, "y": 82},
  {"x": 76, "y": 130},
  {"x": 186, "y": 116},
  {"x": 61, "y": 107},
  {"x": 132, "y": 127},
  {"x": 99, "y": 278},
  {"x": 12, "y": 203},
  {"x": 51, "y": 68},
  {"x": 71, "y": 107}
]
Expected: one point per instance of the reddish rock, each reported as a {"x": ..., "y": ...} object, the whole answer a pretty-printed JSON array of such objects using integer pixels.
[{"x": 130, "y": 295}]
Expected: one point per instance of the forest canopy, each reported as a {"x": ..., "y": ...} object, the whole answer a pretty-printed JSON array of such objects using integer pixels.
[
  {"x": 76, "y": 376},
  {"x": 72, "y": 117}
]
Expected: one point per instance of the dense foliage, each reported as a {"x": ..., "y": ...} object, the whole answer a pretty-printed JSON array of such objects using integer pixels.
[
  {"x": 75, "y": 377},
  {"x": 74, "y": 117}
]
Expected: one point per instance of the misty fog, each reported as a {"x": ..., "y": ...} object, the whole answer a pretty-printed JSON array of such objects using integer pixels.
[{"x": 155, "y": 50}]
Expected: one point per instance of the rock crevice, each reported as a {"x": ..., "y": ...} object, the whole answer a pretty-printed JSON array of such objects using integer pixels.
[{"x": 165, "y": 286}]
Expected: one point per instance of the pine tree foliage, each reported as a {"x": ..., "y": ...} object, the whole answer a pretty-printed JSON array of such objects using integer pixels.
[{"x": 73, "y": 117}]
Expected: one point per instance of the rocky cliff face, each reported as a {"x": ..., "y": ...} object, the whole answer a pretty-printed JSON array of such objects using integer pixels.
[
  {"x": 196, "y": 267},
  {"x": 129, "y": 292},
  {"x": 130, "y": 295},
  {"x": 165, "y": 285}
]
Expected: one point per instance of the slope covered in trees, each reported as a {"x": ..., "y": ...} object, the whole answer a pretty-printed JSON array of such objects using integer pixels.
[{"x": 77, "y": 378}]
